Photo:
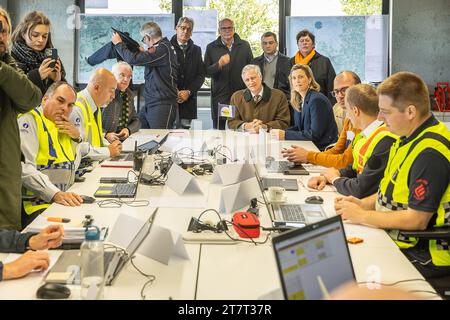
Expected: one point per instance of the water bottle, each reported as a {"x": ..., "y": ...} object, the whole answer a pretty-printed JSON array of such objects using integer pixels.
[{"x": 92, "y": 273}]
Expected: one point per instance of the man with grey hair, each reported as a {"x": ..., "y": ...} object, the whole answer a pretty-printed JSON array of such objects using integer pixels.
[
  {"x": 191, "y": 74},
  {"x": 224, "y": 59},
  {"x": 258, "y": 106},
  {"x": 119, "y": 118},
  {"x": 161, "y": 75}
]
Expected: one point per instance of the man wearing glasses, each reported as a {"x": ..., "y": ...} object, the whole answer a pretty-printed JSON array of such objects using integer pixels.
[
  {"x": 191, "y": 73},
  {"x": 224, "y": 59},
  {"x": 119, "y": 118},
  {"x": 341, "y": 154}
]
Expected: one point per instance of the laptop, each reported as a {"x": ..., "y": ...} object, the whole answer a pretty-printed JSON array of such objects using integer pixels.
[
  {"x": 119, "y": 190},
  {"x": 284, "y": 166},
  {"x": 150, "y": 147},
  {"x": 287, "y": 184},
  {"x": 290, "y": 215},
  {"x": 67, "y": 266},
  {"x": 313, "y": 260}
]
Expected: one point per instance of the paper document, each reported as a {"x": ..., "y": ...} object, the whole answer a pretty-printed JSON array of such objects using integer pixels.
[{"x": 304, "y": 182}]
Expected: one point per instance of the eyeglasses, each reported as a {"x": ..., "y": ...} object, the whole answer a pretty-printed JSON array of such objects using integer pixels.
[
  {"x": 186, "y": 29},
  {"x": 342, "y": 90}
]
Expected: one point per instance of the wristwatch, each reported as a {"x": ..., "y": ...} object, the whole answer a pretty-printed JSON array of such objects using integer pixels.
[{"x": 78, "y": 140}]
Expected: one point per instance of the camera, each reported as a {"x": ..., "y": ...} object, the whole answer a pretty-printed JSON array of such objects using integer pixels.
[{"x": 53, "y": 54}]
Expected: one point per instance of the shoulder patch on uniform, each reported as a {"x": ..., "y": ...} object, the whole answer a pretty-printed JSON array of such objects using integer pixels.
[{"x": 420, "y": 189}]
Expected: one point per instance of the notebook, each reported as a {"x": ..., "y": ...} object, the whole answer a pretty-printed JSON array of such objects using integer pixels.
[
  {"x": 314, "y": 260},
  {"x": 66, "y": 268},
  {"x": 290, "y": 215}
]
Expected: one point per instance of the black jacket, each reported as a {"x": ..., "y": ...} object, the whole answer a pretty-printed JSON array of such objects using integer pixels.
[
  {"x": 283, "y": 68},
  {"x": 191, "y": 75},
  {"x": 161, "y": 70},
  {"x": 228, "y": 80},
  {"x": 111, "y": 114},
  {"x": 323, "y": 73}
]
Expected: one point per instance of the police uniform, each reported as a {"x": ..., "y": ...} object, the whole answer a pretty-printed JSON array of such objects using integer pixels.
[
  {"x": 370, "y": 149},
  {"x": 417, "y": 176},
  {"x": 51, "y": 159},
  {"x": 87, "y": 117}
]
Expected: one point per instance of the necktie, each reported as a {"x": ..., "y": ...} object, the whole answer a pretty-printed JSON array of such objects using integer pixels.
[
  {"x": 124, "y": 114},
  {"x": 257, "y": 98}
]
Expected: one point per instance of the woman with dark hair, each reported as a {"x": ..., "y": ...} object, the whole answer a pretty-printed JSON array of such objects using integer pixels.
[
  {"x": 30, "y": 40},
  {"x": 313, "y": 115}
]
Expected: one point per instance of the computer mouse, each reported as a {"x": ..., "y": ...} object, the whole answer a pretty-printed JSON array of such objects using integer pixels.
[
  {"x": 53, "y": 291},
  {"x": 314, "y": 200},
  {"x": 87, "y": 199}
]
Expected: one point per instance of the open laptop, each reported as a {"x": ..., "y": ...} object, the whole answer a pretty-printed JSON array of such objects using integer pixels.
[
  {"x": 313, "y": 260},
  {"x": 287, "y": 184},
  {"x": 119, "y": 190},
  {"x": 150, "y": 147},
  {"x": 64, "y": 269},
  {"x": 290, "y": 215},
  {"x": 284, "y": 166}
]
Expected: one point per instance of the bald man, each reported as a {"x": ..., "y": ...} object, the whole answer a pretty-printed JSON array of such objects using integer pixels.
[{"x": 87, "y": 114}]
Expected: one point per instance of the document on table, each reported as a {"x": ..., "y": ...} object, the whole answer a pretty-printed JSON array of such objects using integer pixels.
[{"x": 304, "y": 182}]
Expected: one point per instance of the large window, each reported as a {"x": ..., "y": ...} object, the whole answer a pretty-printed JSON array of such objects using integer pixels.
[
  {"x": 353, "y": 34},
  {"x": 126, "y": 7}
]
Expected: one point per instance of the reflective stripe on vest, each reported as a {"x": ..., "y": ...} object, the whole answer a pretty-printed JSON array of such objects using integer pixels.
[
  {"x": 93, "y": 127},
  {"x": 55, "y": 159},
  {"x": 363, "y": 148},
  {"x": 394, "y": 190}
]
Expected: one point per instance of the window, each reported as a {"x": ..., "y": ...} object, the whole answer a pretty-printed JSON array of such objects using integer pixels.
[
  {"x": 353, "y": 34},
  {"x": 126, "y": 7}
]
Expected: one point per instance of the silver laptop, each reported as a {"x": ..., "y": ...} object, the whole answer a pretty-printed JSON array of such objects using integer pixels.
[
  {"x": 66, "y": 269},
  {"x": 287, "y": 184},
  {"x": 284, "y": 166},
  {"x": 290, "y": 215},
  {"x": 313, "y": 260}
]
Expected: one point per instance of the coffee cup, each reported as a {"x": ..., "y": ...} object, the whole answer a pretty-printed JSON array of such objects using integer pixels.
[{"x": 276, "y": 194}]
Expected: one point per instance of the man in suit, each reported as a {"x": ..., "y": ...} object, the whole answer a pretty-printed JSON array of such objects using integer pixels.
[
  {"x": 191, "y": 74},
  {"x": 274, "y": 65},
  {"x": 119, "y": 118},
  {"x": 224, "y": 59}
]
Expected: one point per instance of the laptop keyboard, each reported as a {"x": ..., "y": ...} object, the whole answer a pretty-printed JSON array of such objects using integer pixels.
[
  {"x": 272, "y": 183},
  {"x": 292, "y": 212},
  {"x": 125, "y": 189}
]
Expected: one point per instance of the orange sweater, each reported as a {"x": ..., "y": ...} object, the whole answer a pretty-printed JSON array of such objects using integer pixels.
[{"x": 337, "y": 157}]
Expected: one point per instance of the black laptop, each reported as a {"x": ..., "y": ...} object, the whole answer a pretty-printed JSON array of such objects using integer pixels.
[{"x": 314, "y": 260}]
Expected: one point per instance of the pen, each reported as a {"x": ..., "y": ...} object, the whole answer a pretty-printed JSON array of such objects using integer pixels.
[{"x": 55, "y": 219}]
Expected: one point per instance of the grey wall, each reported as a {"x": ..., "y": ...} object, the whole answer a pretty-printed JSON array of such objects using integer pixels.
[
  {"x": 420, "y": 39},
  {"x": 62, "y": 35}
]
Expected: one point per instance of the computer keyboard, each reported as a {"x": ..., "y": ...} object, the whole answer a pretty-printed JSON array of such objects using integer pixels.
[
  {"x": 292, "y": 212},
  {"x": 272, "y": 182},
  {"x": 125, "y": 189}
]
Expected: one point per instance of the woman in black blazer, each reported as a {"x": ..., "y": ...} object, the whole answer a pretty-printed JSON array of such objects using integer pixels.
[{"x": 313, "y": 115}]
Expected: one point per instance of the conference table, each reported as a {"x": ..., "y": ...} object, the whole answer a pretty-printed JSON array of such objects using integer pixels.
[{"x": 215, "y": 270}]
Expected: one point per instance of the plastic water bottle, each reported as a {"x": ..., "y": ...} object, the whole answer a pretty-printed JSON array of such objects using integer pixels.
[{"x": 92, "y": 273}]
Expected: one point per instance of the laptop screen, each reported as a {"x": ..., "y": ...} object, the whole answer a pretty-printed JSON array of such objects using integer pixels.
[{"x": 313, "y": 260}]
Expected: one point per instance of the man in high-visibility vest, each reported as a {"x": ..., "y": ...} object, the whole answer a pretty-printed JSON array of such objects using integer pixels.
[
  {"x": 414, "y": 193},
  {"x": 87, "y": 114},
  {"x": 370, "y": 147},
  {"x": 51, "y": 151}
]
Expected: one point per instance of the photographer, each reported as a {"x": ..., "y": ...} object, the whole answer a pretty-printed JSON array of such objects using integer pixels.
[{"x": 33, "y": 50}]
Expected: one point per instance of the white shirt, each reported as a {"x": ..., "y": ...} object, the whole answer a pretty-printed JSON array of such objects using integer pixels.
[
  {"x": 270, "y": 58},
  {"x": 371, "y": 127},
  {"x": 32, "y": 178}
]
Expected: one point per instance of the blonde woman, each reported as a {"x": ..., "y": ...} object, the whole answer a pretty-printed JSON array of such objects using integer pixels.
[
  {"x": 313, "y": 115},
  {"x": 30, "y": 40}
]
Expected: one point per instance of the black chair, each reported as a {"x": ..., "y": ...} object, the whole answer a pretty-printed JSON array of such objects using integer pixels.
[{"x": 440, "y": 284}]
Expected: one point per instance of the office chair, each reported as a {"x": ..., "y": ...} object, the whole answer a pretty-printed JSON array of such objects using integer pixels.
[{"x": 440, "y": 284}]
